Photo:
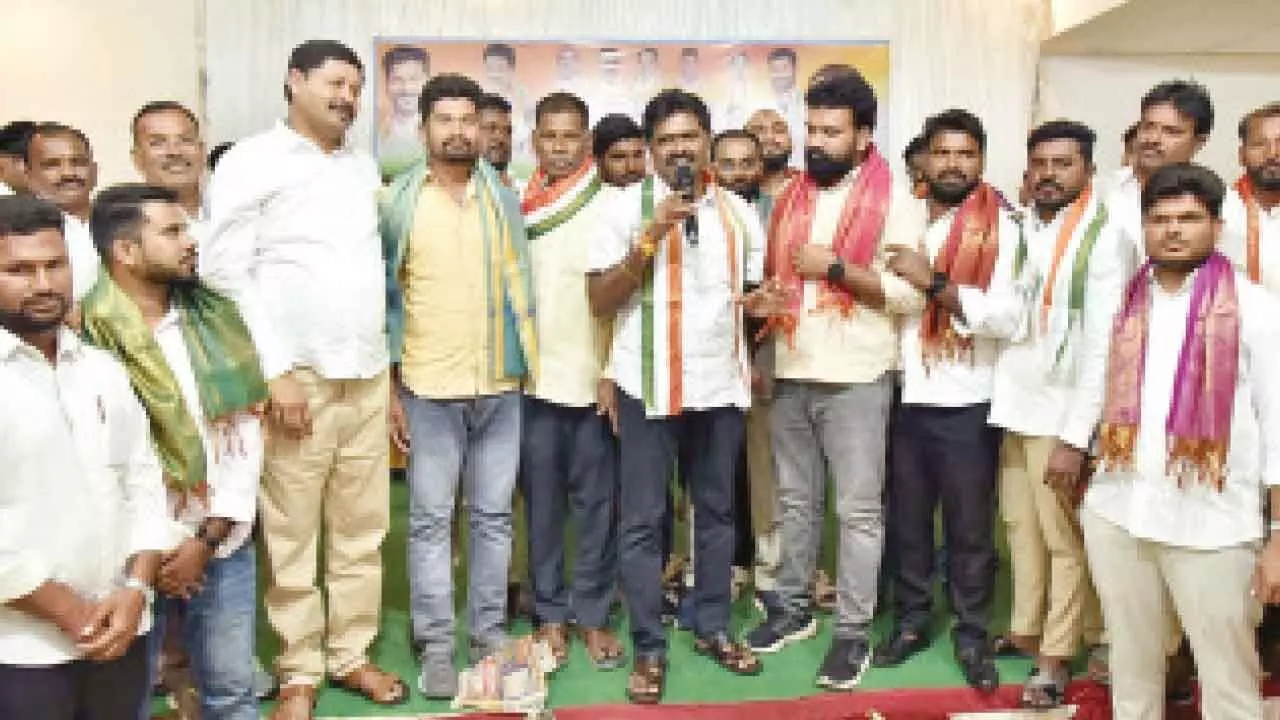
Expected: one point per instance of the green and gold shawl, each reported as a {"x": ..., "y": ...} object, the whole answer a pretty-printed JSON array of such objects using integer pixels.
[{"x": 228, "y": 373}]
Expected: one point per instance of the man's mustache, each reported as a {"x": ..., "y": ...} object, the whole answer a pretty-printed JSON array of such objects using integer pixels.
[
  {"x": 1049, "y": 184},
  {"x": 70, "y": 182}
]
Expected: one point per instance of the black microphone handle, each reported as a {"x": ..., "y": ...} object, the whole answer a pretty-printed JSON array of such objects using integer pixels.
[{"x": 691, "y": 230}]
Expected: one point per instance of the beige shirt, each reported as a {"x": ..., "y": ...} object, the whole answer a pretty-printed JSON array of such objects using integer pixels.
[
  {"x": 446, "y": 342},
  {"x": 569, "y": 363},
  {"x": 860, "y": 348}
]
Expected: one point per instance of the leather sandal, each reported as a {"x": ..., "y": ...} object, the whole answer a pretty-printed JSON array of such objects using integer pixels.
[
  {"x": 647, "y": 682},
  {"x": 603, "y": 648},
  {"x": 378, "y": 686},
  {"x": 297, "y": 702}
]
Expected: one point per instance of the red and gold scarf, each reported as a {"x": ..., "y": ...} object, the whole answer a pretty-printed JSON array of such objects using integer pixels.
[
  {"x": 967, "y": 258},
  {"x": 1253, "y": 229},
  {"x": 857, "y": 236}
]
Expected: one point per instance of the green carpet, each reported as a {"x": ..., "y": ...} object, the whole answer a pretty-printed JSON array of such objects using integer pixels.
[{"x": 787, "y": 674}]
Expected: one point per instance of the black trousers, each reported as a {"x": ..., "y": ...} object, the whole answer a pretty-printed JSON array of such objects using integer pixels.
[
  {"x": 568, "y": 471},
  {"x": 706, "y": 444},
  {"x": 79, "y": 690},
  {"x": 944, "y": 457}
]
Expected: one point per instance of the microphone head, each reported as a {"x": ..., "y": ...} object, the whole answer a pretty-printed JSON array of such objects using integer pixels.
[{"x": 684, "y": 179}]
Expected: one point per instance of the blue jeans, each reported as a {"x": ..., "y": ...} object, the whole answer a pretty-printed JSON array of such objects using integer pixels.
[
  {"x": 478, "y": 441},
  {"x": 218, "y": 633}
]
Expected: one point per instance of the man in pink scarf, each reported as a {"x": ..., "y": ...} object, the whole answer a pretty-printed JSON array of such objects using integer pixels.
[{"x": 1173, "y": 520}]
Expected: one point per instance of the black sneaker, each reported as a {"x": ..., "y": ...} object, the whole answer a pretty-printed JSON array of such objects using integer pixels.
[
  {"x": 845, "y": 663},
  {"x": 775, "y": 632},
  {"x": 899, "y": 648}
]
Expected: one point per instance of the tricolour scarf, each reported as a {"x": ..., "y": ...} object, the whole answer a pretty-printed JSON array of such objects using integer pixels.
[
  {"x": 1062, "y": 324},
  {"x": 227, "y": 371},
  {"x": 1198, "y": 427},
  {"x": 856, "y": 240},
  {"x": 661, "y": 333},
  {"x": 512, "y": 346},
  {"x": 547, "y": 206},
  {"x": 968, "y": 258},
  {"x": 1253, "y": 229}
]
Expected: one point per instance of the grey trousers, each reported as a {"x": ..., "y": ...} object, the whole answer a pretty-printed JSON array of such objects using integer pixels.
[{"x": 840, "y": 430}]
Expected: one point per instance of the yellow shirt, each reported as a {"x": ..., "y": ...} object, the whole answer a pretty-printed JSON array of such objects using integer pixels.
[
  {"x": 570, "y": 360},
  {"x": 830, "y": 348},
  {"x": 446, "y": 343}
]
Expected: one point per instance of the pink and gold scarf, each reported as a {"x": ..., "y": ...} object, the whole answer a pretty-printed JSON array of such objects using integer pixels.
[
  {"x": 1199, "y": 422},
  {"x": 857, "y": 236}
]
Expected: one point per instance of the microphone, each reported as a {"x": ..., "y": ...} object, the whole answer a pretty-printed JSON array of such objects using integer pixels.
[{"x": 684, "y": 186}]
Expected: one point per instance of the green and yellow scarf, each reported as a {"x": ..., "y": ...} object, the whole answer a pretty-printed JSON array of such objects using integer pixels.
[{"x": 228, "y": 373}]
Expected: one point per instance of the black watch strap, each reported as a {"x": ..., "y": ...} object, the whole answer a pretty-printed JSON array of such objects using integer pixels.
[
  {"x": 835, "y": 272},
  {"x": 936, "y": 285},
  {"x": 202, "y": 534}
]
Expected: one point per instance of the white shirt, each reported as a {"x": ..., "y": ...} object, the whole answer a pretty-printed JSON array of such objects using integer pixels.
[
  {"x": 713, "y": 374},
  {"x": 295, "y": 242},
  {"x": 1150, "y": 505},
  {"x": 990, "y": 317},
  {"x": 1235, "y": 220},
  {"x": 1124, "y": 203},
  {"x": 233, "y": 457},
  {"x": 5, "y": 189},
  {"x": 81, "y": 491},
  {"x": 1029, "y": 397},
  {"x": 86, "y": 263}
]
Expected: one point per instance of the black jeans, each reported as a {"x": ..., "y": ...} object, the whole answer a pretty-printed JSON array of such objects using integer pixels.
[
  {"x": 948, "y": 457},
  {"x": 706, "y": 444},
  {"x": 78, "y": 690},
  {"x": 568, "y": 470}
]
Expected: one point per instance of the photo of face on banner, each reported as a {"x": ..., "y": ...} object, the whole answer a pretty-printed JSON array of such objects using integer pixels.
[{"x": 735, "y": 80}]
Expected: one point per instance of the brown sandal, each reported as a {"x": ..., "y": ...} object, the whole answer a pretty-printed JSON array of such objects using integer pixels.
[
  {"x": 732, "y": 656},
  {"x": 603, "y": 648},
  {"x": 297, "y": 702},
  {"x": 647, "y": 682},
  {"x": 378, "y": 686}
]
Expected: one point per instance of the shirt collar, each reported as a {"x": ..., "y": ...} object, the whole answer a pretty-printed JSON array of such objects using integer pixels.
[
  {"x": 70, "y": 347},
  {"x": 473, "y": 188},
  {"x": 1159, "y": 291},
  {"x": 295, "y": 140}
]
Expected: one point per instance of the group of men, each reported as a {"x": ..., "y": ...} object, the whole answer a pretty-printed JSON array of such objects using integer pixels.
[{"x": 657, "y": 305}]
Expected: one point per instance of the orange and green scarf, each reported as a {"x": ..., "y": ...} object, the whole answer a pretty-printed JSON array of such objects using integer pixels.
[{"x": 548, "y": 205}]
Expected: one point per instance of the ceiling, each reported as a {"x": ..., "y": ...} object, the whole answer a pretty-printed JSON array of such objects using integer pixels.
[{"x": 1175, "y": 27}]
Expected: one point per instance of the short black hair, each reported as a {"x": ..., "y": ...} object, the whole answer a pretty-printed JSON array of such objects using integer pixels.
[
  {"x": 1180, "y": 179},
  {"x": 313, "y": 53},
  {"x": 27, "y": 215},
  {"x": 1188, "y": 97},
  {"x": 559, "y": 102},
  {"x": 1130, "y": 134},
  {"x": 117, "y": 211},
  {"x": 955, "y": 120},
  {"x": 490, "y": 101},
  {"x": 613, "y": 128},
  {"x": 403, "y": 54},
  {"x": 1270, "y": 110},
  {"x": 1064, "y": 130},
  {"x": 735, "y": 134},
  {"x": 672, "y": 102},
  {"x": 448, "y": 86},
  {"x": 156, "y": 106},
  {"x": 217, "y": 152},
  {"x": 15, "y": 136},
  {"x": 829, "y": 71},
  {"x": 782, "y": 53},
  {"x": 849, "y": 90},
  {"x": 56, "y": 129},
  {"x": 914, "y": 147},
  {"x": 501, "y": 50}
]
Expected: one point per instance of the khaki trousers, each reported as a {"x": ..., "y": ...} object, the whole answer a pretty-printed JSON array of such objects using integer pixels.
[
  {"x": 1144, "y": 586},
  {"x": 1053, "y": 599},
  {"x": 334, "y": 484}
]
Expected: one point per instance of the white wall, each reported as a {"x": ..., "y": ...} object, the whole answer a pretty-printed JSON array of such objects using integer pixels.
[
  {"x": 1105, "y": 91},
  {"x": 1070, "y": 13},
  {"x": 93, "y": 63}
]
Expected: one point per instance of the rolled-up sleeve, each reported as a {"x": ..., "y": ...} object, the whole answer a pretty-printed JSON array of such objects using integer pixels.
[
  {"x": 21, "y": 571},
  {"x": 904, "y": 227},
  {"x": 234, "y": 474},
  {"x": 227, "y": 257},
  {"x": 620, "y": 222}
]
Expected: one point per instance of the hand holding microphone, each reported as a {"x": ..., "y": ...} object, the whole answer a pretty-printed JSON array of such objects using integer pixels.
[{"x": 684, "y": 185}]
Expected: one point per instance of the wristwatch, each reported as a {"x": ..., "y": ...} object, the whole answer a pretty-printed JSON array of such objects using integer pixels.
[
  {"x": 134, "y": 583},
  {"x": 202, "y": 534},
  {"x": 936, "y": 285},
  {"x": 835, "y": 272}
]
